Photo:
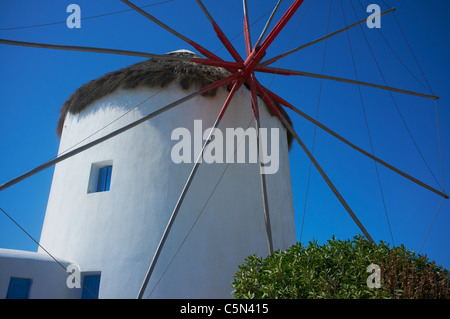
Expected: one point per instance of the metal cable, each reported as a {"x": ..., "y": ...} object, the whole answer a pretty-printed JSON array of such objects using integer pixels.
[
  {"x": 32, "y": 238},
  {"x": 315, "y": 126},
  {"x": 113, "y": 121},
  {"x": 431, "y": 91},
  {"x": 87, "y": 18},
  {"x": 395, "y": 102},
  {"x": 429, "y": 229},
  {"x": 368, "y": 129}
]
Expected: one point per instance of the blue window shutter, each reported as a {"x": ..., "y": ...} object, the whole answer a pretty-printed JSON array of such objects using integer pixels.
[
  {"x": 108, "y": 177},
  {"x": 19, "y": 288},
  {"x": 101, "y": 180},
  {"x": 104, "y": 179},
  {"x": 91, "y": 285}
]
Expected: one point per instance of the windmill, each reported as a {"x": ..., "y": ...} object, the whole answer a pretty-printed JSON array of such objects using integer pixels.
[{"x": 243, "y": 72}]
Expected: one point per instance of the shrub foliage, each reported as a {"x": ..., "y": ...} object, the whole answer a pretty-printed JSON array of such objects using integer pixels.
[{"x": 338, "y": 269}]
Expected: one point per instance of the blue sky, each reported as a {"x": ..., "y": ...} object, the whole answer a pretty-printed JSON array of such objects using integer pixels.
[{"x": 36, "y": 82}]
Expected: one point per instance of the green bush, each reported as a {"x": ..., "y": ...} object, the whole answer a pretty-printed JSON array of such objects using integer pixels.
[{"x": 338, "y": 269}]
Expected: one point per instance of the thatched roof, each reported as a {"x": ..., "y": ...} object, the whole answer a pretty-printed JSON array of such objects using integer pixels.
[{"x": 149, "y": 73}]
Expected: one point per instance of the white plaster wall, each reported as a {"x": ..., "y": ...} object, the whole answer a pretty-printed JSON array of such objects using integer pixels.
[
  {"x": 48, "y": 277},
  {"x": 117, "y": 232}
]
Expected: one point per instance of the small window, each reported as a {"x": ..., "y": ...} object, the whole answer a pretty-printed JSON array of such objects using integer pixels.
[
  {"x": 100, "y": 179},
  {"x": 91, "y": 286},
  {"x": 19, "y": 288}
]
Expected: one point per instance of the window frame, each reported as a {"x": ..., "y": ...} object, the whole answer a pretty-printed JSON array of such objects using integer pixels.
[{"x": 94, "y": 177}]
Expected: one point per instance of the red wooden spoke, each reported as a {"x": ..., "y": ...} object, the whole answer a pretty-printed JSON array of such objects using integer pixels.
[
  {"x": 229, "y": 65},
  {"x": 197, "y": 46},
  {"x": 266, "y": 94},
  {"x": 205, "y": 52},
  {"x": 254, "y": 95},
  {"x": 278, "y": 27},
  {"x": 237, "y": 84},
  {"x": 248, "y": 42},
  {"x": 253, "y": 56},
  {"x": 274, "y": 59},
  {"x": 227, "y": 43},
  {"x": 247, "y": 37},
  {"x": 261, "y": 36},
  {"x": 219, "y": 83},
  {"x": 280, "y": 71},
  {"x": 258, "y": 52},
  {"x": 220, "y": 34}
]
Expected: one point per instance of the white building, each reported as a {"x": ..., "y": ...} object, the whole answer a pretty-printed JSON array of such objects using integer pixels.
[{"x": 109, "y": 205}]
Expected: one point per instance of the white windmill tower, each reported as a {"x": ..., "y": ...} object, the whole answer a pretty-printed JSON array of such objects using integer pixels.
[{"x": 110, "y": 204}]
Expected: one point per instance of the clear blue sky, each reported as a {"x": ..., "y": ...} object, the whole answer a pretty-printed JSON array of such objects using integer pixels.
[{"x": 36, "y": 82}]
